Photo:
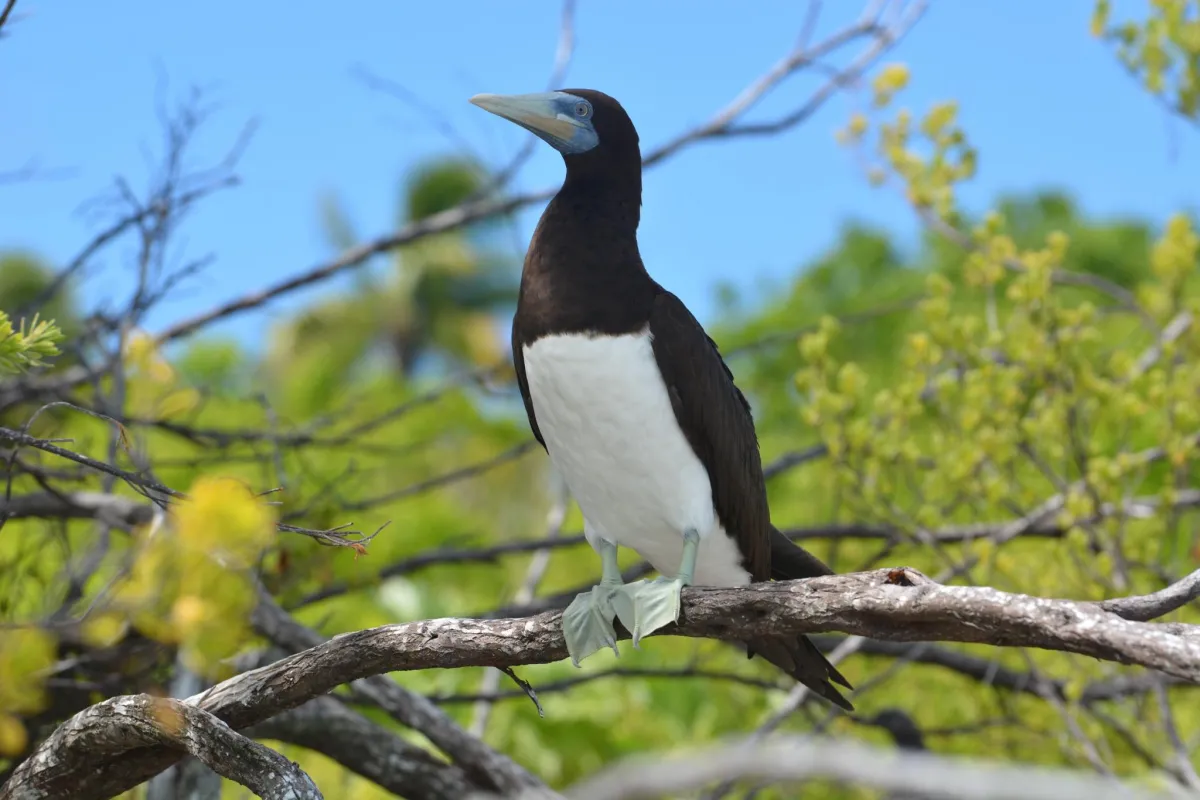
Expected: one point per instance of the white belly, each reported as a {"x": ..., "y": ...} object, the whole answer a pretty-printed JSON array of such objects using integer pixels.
[{"x": 604, "y": 413}]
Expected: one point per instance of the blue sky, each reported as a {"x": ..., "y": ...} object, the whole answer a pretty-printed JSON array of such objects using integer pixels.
[{"x": 1045, "y": 103}]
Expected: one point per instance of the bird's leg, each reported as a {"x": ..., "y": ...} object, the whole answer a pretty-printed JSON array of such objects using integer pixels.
[
  {"x": 587, "y": 622},
  {"x": 646, "y": 606}
]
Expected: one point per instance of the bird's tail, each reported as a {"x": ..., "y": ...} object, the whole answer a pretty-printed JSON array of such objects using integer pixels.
[
  {"x": 797, "y": 655},
  {"x": 800, "y": 658}
]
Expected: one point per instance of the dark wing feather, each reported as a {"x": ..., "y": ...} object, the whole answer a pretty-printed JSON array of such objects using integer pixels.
[
  {"x": 523, "y": 385},
  {"x": 789, "y": 560},
  {"x": 720, "y": 430}
]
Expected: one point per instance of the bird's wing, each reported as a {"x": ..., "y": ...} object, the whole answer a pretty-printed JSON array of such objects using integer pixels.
[
  {"x": 717, "y": 422},
  {"x": 523, "y": 385}
]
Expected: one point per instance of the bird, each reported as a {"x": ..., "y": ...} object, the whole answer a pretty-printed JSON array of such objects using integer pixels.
[{"x": 633, "y": 402}]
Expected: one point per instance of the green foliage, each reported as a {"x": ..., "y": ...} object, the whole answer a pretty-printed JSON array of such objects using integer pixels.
[
  {"x": 24, "y": 279},
  {"x": 22, "y": 349},
  {"x": 187, "y": 583},
  {"x": 25, "y": 654},
  {"x": 995, "y": 369},
  {"x": 1162, "y": 51},
  {"x": 434, "y": 306}
]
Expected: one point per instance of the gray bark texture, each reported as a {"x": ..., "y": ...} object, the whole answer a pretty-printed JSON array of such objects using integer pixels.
[
  {"x": 899, "y": 605},
  {"x": 63, "y": 765}
]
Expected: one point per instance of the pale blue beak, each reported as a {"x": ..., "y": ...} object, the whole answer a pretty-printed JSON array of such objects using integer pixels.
[{"x": 550, "y": 115}]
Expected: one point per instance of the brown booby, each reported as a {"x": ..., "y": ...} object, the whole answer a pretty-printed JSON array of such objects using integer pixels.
[{"x": 633, "y": 402}]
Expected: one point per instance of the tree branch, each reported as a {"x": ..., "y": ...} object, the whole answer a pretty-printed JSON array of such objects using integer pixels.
[
  {"x": 335, "y": 537},
  {"x": 795, "y": 758},
  {"x": 327, "y": 726},
  {"x": 1161, "y": 603},
  {"x": 990, "y": 672},
  {"x": 896, "y": 605},
  {"x": 59, "y": 767},
  {"x": 482, "y": 763},
  {"x": 722, "y": 125},
  {"x": 109, "y": 508},
  {"x": 8, "y": 7}
]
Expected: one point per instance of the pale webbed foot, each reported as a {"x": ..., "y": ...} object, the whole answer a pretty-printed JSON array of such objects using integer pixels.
[
  {"x": 645, "y": 606},
  {"x": 588, "y": 622}
]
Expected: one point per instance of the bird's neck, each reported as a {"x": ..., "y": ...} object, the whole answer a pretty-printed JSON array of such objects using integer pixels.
[
  {"x": 602, "y": 200},
  {"x": 583, "y": 269},
  {"x": 590, "y": 229}
]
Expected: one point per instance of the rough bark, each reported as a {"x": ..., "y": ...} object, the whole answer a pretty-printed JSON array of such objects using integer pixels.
[
  {"x": 64, "y": 764},
  {"x": 327, "y": 726},
  {"x": 110, "y": 508},
  {"x": 486, "y": 766},
  {"x": 890, "y": 604}
]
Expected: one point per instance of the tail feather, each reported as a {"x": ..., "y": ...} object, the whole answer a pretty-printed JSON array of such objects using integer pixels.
[{"x": 798, "y": 656}]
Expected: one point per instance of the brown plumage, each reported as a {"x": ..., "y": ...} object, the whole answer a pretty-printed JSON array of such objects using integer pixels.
[{"x": 583, "y": 274}]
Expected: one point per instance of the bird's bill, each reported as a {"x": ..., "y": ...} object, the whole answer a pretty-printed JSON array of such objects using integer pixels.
[{"x": 546, "y": 114}]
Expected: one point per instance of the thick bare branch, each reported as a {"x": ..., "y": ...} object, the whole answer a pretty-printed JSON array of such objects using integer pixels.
[
  {"x": 482, "y": 763},
  {"x": 327, "y": 726},
  {"x": 896, "y": 605},
  {"x": 60, "y": 767},
  {"x": 872, "y": 604},
  {"x": 792, "y": 759},
  {"x": 109, "y": 508}
]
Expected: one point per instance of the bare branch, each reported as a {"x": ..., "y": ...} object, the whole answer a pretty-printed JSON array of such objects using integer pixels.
[
  {"x": 791, "y": 759},
  {"x": 565, "y": 684},
  {"x": 327, "y": 726},
  {"x": 1153, "y": 606},
  {"x": 869, "y": 604},
  {"x": 408, "y": 708},
  {"x": 109, "y": 508},
  {"x": 990, "y": 672},
  {"x": 8, "y": 7},
  {"x": 897, "y": 605},
  {"x": 122, "y": 724},
  {"x": 721, "y": 125},
  {"x": 341, "y": 536},
  {"x": 437, "y": 481},
  {"x": 49, "y": 446}
]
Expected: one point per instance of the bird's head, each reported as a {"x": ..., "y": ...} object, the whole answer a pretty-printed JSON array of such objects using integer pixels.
[{"x": 586, "y": 126}]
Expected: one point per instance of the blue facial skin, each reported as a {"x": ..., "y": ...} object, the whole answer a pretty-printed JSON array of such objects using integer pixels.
[{"x": 562, "y": 120}]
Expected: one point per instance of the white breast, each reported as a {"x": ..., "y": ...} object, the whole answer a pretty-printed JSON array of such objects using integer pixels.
[{"x": 605, "y": 415}]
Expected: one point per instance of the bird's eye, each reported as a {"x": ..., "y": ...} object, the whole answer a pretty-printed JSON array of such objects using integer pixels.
[{"x": 582, "y": 110}]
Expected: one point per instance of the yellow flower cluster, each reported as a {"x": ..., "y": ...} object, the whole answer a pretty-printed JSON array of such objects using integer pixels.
[
  {"x": 1015, "y": 387},
  {"x": 154, "y": 389},
  {"x": 25, "y": 655},
  {"x": 1163, "y": 50},
  {"x": 189, "y": 584},
  {"x": 930, "y": 157}
]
